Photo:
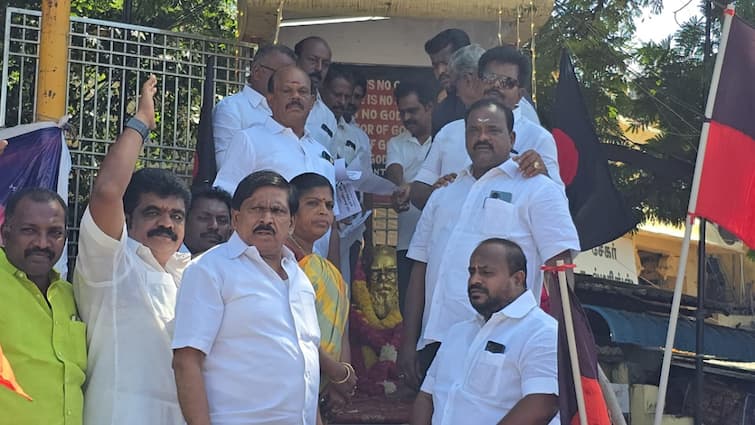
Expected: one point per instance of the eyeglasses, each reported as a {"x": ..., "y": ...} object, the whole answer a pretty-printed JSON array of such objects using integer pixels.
[{"x": 500, "y": 80}]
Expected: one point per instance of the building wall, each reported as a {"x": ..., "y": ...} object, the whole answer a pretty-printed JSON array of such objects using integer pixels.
[
  {"x": 396, "y": 41},
  {"x": 737, "y": 268}
]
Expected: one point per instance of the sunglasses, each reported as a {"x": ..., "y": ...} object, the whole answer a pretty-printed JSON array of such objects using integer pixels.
[{"x": 500, "y": 80}]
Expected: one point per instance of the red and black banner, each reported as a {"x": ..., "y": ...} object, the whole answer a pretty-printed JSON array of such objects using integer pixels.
[
  {"x": 587, "y": 352},
  {"x": 597, "y": 208},
  {"x": 727, "y": 180}
]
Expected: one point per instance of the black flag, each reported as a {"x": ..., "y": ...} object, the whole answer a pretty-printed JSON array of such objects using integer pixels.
[
  {"x": 597, "y": 208},
  {"x": 205, "y": 167}
]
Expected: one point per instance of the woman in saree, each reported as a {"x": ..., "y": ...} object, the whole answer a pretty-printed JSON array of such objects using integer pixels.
[{"x": 313, "y": 219}]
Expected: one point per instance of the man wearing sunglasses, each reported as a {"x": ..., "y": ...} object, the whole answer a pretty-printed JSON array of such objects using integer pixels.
[
  {"x": 504, "y": 70},
  {"x": 249, "y": 106},
  {"x": 501, "y": 72}
]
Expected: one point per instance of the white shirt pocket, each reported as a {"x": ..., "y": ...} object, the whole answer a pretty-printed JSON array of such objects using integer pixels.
[
  {"x": 499, "y": 217},
  {"x": 161, "y": 292},
  {"x": 484, "y": 378}
]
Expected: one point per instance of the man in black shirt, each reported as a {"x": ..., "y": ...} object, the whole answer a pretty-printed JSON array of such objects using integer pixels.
[{"x": 440, "y": 48}]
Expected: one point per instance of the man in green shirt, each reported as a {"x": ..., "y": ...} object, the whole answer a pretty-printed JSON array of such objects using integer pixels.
[{"x": 40, "y": 332}]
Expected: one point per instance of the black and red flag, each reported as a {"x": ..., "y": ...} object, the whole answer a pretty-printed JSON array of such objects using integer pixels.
[
  {"x": 205, "y": 168},
  {"x": 597, "y": 208},
  {"x": 725, "y": 174},
  {"x": 587, "y": 354}
]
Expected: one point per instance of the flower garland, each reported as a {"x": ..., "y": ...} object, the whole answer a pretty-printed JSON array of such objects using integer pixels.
[{"x": 377, "y": 339}]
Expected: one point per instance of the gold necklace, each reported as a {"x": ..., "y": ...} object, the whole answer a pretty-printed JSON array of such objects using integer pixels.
[{"x": 298, "y": 245}]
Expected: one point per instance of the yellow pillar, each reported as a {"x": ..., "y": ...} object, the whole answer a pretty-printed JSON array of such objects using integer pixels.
[{"x": 53, "y": 58}]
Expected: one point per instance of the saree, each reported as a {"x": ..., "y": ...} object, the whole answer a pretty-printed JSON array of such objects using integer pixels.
[{"x": 331, "y": 301}]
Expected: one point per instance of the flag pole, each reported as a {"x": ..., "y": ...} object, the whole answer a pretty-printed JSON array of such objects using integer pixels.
[
  {"x": 572, "y": 342},
  {"x": 674, "y": 316},
  {"x": 614, "y": 409}
]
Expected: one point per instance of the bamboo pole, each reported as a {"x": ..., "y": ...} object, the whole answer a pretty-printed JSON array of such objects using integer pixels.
[
  {"x": 666, "y": 365},
  {"x": 53, "y": 60},
  {"x": 572, "y": 342}
]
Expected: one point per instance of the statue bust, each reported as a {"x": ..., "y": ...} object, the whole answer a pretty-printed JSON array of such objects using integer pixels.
[{"x": 383, "y": 282}]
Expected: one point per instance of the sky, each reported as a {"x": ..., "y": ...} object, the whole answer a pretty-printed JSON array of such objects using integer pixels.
[{"x": 657, "y": 27}]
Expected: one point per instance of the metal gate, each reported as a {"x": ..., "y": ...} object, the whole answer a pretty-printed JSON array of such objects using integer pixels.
[{"x": 107, "y": 62}]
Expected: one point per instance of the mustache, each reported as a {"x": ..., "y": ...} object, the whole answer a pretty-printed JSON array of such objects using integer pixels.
[
  {"x": 212, "y": 234},
  {"x": 410, "y": 122},
  {"x": 31, "y": 251},
  {"x": 295, "y": 102},
  {"x": 478, "y": 287},
  {"x": 482, "y": 143},
  {"x": 314, "y": 75},
  {"x": 164, "y": 231},
  {"x": 492, "y": 92},
  {"x": 264, "y": 227}
]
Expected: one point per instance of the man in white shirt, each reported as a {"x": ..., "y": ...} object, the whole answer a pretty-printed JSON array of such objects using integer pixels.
[
  {"x": 536, "y": 148},
  {"x": 314, "y": 57},
  {"x": 351, "y": 144},
  {"x": 490, "y": 198},
  {"x": 247, "y": 337},
  {"x": 282, "y": 143},
  {"x": 405, "y": 155},
  {"x": 126, "y": 280},
  {"x": 500, "y": 366},
  {"x": 249, "y": 106}
]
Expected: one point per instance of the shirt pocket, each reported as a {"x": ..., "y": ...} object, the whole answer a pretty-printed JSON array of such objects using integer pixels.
[
  {"x": 77, "y": 338},
  {"x": 484, "y": 378},
  {"x": 499, "y": 217},
  {"x": 161, "y": 294}
]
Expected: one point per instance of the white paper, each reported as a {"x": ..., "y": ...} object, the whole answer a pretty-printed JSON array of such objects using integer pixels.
[
  {"x": 372, "y": 183},
  {"x": 344, "y": 174},
  {"x": 345, "y": 229},
  {"x": 347, "y": 200}
]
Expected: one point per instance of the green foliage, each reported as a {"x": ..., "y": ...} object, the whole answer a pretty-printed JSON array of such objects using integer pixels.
[{"x": 661, "y": 85}]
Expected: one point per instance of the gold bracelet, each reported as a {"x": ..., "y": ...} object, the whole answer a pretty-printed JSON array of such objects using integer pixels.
[
  {"x": 350, "y": 367},
  {"x": 349, "y": 371}
]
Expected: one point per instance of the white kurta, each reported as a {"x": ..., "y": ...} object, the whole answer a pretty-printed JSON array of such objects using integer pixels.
[{"x": 128, "y": 303}]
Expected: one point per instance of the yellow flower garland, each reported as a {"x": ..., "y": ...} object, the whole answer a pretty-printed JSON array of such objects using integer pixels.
[{"x": 364, "y": 304}]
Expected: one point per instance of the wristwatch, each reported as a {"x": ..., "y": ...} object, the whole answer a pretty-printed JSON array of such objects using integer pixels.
[{"x": 138, "y": 126}]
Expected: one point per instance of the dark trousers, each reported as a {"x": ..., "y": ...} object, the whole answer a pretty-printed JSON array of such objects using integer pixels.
[{"x": 404, "y": 271}]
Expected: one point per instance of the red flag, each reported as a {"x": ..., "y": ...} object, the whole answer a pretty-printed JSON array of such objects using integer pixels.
[
  {"x": 587, "y": 353},
  {"x": 8, "y": 379},
  {"x": 726, "y": 193}
]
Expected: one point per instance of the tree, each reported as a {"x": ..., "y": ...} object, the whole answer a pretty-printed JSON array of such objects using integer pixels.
[{"x": 662, "y": 85}]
